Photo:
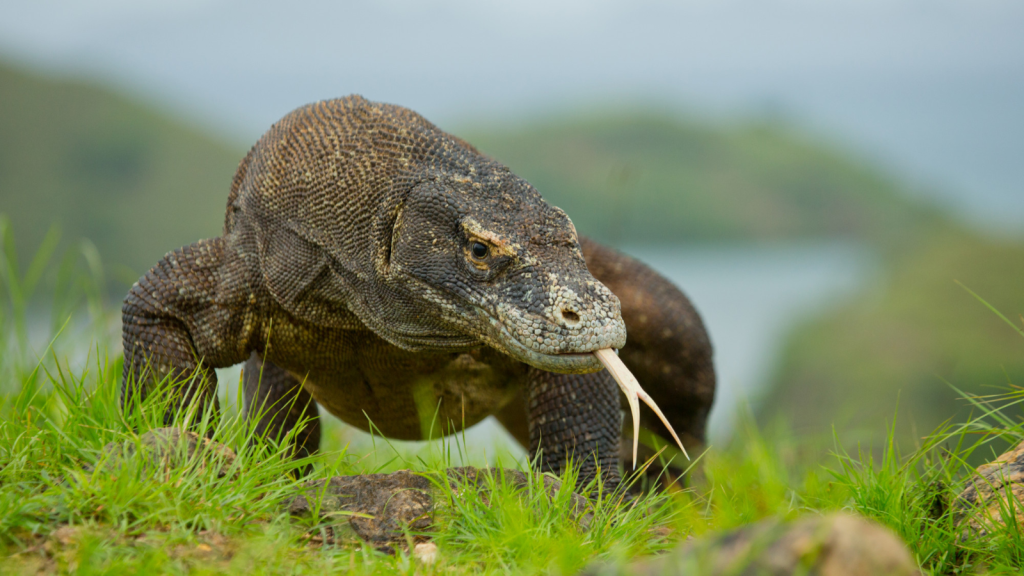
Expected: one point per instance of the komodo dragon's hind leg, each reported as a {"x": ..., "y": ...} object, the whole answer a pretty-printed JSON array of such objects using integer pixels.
[{"x": 278, "y": 400}]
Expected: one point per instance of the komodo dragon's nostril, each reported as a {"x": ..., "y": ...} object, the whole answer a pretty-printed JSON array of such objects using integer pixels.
[{"x": 571, "y": 318}]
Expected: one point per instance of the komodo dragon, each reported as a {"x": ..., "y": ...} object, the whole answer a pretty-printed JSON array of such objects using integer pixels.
[{"x": 389, "y": 271}]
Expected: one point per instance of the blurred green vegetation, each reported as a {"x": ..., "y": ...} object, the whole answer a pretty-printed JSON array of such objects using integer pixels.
[
  {"x": 138, "y": 183},
  {"x": 910, "y": 340},
  {"x": 101, "y": 166}
]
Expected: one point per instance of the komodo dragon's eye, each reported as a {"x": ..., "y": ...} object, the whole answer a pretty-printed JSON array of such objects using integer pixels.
[{"x": 479, "y": 250}]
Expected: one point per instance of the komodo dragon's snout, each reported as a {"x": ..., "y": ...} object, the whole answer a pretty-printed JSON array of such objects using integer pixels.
[{"x": 504, "y": 267}]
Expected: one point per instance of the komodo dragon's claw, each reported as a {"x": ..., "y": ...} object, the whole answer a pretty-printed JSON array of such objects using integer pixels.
[{"x": 631, "y": 388}]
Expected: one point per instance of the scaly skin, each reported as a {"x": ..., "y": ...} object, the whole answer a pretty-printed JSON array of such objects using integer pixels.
[{"x": 388, "y": 271}]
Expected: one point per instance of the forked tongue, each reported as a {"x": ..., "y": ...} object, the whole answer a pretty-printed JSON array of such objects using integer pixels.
[{"x": 631, "y": 388}]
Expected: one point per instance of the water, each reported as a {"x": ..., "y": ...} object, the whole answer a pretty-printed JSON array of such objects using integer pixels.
[{"x": 750, "y": 298}]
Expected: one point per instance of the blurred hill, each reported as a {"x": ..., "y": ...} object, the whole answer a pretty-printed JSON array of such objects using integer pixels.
[
  {"x": 643, "y": 178},
  {"x": 103, "y": 167},
  {"x": 138, "y": 183},
  {"x": 906, "y": 341}
]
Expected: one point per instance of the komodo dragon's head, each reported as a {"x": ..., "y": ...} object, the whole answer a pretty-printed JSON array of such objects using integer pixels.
[
  {"x": 505, "y": 267},
  {"x": 432, "y": 244}
]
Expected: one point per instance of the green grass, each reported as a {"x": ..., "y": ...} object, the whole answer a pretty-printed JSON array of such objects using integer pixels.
[
  {"x": 57, "y": 517},
  {"x": 63, "y": 510}
]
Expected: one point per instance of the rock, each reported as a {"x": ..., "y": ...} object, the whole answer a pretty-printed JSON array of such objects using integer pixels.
[
  {"x": 425, "y": 552},
  {"x": 981, "y": 507},
  {"x": 381, "y": 508},
  {"x": 834, "y": 545},
  {"x": 389, "y": 510},
  {"x": 166, "y": 448}
]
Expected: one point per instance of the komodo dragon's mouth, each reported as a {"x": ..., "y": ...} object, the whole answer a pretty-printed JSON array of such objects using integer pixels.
[{"x": 582, "y": 362}]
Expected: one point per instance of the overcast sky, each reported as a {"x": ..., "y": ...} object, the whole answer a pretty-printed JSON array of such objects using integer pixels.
[{"x": 933, "y": 89}]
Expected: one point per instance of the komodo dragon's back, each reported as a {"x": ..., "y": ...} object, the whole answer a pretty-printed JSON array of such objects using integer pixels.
[
  {"x": 376, "y": 264},
  {"x": 336, "y": 146}
]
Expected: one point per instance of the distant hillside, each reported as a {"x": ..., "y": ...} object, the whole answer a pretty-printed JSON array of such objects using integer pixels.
[
  {"x": 636, "y": 178},
  {"x": 132, "y": 180},
  {"x": 906, "y": 341},
  {"x": 138, "y": 183}
]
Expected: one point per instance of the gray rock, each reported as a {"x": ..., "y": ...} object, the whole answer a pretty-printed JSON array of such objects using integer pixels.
[
  {"x": 382, "y": 509},
  {"x": 983, "y": 505},
  {"x": 834, "y": 545},
  {"x": 390, "y": 511}
]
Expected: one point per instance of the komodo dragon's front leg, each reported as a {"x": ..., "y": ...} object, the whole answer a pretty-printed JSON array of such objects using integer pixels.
[
  {"x": 574, "y": 418},
  {"x": 189, "y": 314}
]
